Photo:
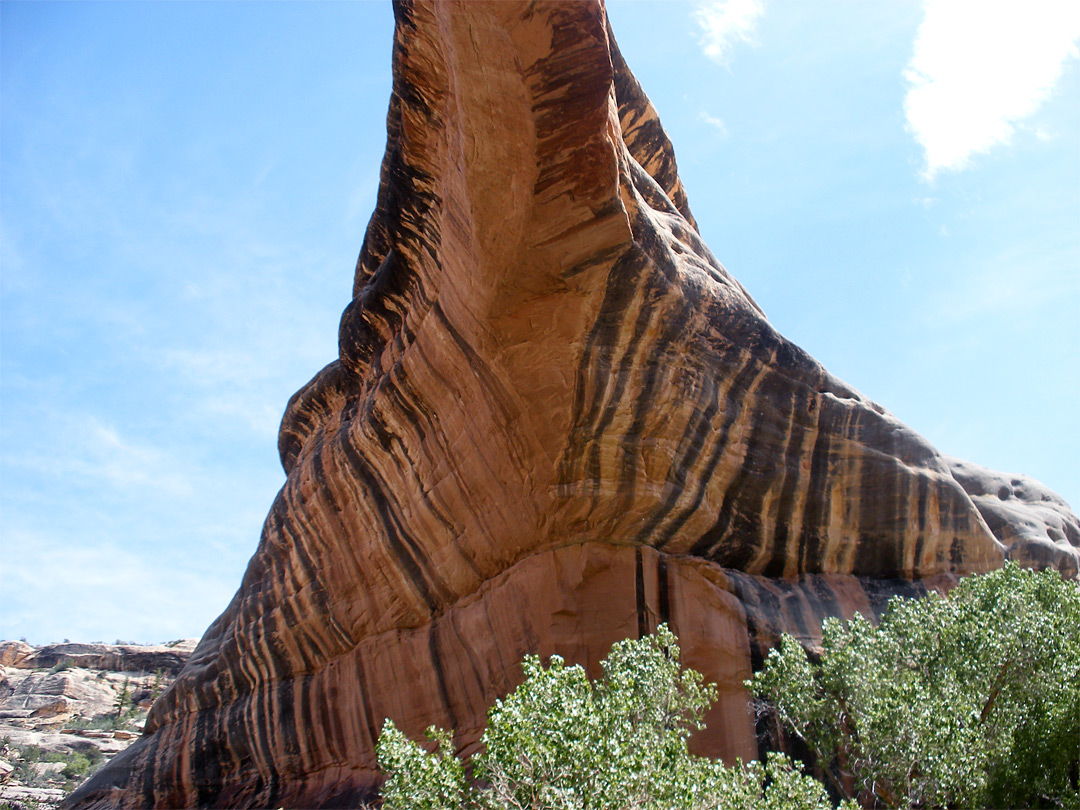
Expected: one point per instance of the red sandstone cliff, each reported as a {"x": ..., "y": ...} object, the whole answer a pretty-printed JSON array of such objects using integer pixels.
[{"x": 555, "y": 421}]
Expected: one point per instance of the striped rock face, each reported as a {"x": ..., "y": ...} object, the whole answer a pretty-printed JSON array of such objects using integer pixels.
[{"x": 554, "y": 422}]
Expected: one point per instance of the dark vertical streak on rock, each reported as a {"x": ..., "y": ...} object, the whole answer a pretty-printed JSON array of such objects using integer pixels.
[
  {"x": 150, "y": 769},
  {"x": 826, "y": 598},
  {"x": 733, "y": 539},
  {"x": 733, "y": 405},
  {"x": 687, "y": 451},
  {"x": 663, "y": 584},
  {"x": 595, "y": 367},
  {"x": 627, "y": 367},
  {"x": 639, "y": 595},
  {"x": 285, "y": 703},
  {"x": 405, "y": 550},
  {"x": 817, "y": 502},
  {"x": 440, "y": 675},
  {"x": 304, "y": 715},
  {"x": 374, "y": 724},
  {"x": 790, "y": 471},
  {"x": 259, "y": 728},
  {"x": 924, "y": 516},
  {"x": 646, "y": 401},
  {"x": 206, "y": 762},
  {"x": 463, "y": 644},
  {"x": 596, "y": 360},
  {"x": 751, "y": 600}
]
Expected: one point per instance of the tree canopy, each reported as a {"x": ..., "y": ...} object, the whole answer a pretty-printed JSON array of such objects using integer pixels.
[
  {"x": 970, "y": 699},
  {"x": 965, "y": 700}
]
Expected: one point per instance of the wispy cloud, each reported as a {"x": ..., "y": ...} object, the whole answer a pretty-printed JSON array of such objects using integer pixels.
[
  {"x": 1045, "y": 135},
  {"x": 1015, "y": 287},
  {"x": 724, "y": 23},
  {"x": 98, "y": 509},
  {"x": 978, "y": 69},
  {"x": 713, "y": 121},
  {"x": 96, "y": 455},
  {"x": 214, "y": 368},
  {"x": 81, "y": 583}
]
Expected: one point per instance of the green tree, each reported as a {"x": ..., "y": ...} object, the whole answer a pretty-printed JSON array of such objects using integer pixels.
[
  {"x": 123, "y": 699},
  {"x": 563, "y": 742},
  {"x": 961, "y": 701}
]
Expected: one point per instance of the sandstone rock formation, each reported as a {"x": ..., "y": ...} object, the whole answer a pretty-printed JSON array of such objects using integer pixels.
[{"x": 555, "y": 421}]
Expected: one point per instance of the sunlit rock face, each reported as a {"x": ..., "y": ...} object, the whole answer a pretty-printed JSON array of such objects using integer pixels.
[{"x": 555, "y": 421}]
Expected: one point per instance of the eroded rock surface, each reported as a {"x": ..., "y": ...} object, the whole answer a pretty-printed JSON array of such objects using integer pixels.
[
  {"x": 65, "y": 701},
  {"x": 555, "y": 421}
]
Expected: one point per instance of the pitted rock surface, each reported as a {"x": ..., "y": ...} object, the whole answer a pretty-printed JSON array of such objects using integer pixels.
[{"x": 555, "y": 421}]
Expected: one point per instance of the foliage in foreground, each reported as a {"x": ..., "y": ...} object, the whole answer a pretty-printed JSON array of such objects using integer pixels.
[
  {"x": 970, "y": 700},
  {"x": 563, "y": 742}
]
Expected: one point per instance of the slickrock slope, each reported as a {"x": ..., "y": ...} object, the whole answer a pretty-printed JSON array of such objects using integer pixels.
[
  {"x": 555, "y": 421},
  {"x": 42, "y": 687}
]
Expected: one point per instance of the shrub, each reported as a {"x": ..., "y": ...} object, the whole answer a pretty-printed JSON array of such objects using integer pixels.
[
  {"x": 24, "y": 769},
  {"x": 77, "y": 766}
]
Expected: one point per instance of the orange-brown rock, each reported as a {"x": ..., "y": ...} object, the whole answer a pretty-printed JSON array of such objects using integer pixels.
[
  {"x": 12, "y": 653},
  {"x": 555, "y": 421}
]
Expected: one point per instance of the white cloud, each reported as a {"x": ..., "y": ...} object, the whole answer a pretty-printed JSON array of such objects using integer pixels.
[
  {"x": 979, "y": 68},
  {"x": 724, "y": 23}
]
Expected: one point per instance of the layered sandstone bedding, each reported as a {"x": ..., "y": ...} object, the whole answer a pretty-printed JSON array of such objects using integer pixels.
[{"x": 554, "y": 422}]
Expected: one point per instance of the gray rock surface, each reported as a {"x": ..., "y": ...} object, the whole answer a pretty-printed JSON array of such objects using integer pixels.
[
  {"x": 1035, "y": 524},
  {"x": 67, "y": 707}
]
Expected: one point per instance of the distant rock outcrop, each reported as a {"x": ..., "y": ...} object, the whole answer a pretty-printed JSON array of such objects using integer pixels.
[
  {"x": 554, "y": 422},
  {"x": 168, "y": 658},
  {"x": 68, "y": 707}
]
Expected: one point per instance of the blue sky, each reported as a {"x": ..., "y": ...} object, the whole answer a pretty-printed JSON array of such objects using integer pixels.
[{"x": 184, "y": 188}]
